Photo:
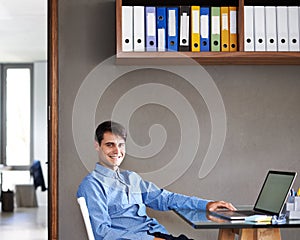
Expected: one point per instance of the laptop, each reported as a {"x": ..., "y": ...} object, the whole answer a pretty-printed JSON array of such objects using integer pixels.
[{"x": 270, "y": 200}]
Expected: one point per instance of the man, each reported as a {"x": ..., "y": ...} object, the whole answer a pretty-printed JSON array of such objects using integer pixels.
[{"x": 117, "y": 199}]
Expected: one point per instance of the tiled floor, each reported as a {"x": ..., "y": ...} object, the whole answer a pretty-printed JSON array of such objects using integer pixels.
[{"x": 24, "y": 223}]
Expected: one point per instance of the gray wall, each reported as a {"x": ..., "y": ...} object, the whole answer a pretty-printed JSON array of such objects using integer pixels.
[{"x": 261, "y": 112}]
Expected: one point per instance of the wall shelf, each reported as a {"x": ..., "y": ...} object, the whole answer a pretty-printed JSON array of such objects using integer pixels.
[{"x": 204, "y": 58}]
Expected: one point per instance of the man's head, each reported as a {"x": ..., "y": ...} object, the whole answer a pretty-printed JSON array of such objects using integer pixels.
[
  {"x": 109, "y": 126},
  {"x": 110, "y": 138}
]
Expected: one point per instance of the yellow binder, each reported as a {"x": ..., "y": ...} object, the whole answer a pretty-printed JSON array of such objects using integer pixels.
[
  {"x": 233, "y": 29},
  {"x": 195, "y": 28},
  {"x": 225, "y": 29}
]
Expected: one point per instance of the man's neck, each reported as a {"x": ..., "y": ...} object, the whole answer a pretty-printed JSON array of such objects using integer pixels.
[{"x": 113, "y": 168}]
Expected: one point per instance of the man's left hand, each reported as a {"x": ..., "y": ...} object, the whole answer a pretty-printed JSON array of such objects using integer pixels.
[{"x": 213, "y": 206}]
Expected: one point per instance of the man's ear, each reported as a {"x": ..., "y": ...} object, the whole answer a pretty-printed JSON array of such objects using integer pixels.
[{"x": 96, "y": 145}]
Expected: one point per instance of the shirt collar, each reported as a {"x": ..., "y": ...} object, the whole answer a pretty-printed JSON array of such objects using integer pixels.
[{"x": 106, "y": 171}]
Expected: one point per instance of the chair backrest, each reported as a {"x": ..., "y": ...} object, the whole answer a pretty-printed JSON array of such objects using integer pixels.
[
  {"x": 37, "y": 174},
  {"x": 86, "y": 217}
]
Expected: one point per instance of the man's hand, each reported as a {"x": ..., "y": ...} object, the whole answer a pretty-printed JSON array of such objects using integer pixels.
[{"x": 213, "y": 206}]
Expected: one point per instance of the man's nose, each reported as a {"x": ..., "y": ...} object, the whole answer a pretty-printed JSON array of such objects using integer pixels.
[{"x": 117, "y": 150}]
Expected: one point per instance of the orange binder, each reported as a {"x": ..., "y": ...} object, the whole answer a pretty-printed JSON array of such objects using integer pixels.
[
  {"x": 233, "y": 29},
  {"x": 195, "y": 28},
  {"x": 224, "y": 29}
]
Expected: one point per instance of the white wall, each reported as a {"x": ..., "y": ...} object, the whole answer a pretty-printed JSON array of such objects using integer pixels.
[{"x": 40, "y": 135}]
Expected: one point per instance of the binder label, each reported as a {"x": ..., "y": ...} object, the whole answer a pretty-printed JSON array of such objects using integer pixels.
[
  {"x": 184, "y": 28},
  {"x": 161, "y": 39},
  {"x": 151, "y": 27},
  {"x": 195, "y": 15},
  {"x": 233, "y": 27},
  {"x": 172, "y": 23},
  {"x": 215, "y": 25},
  {"x": 224, "y": 21},
  {"x": 204, "y": 26}
]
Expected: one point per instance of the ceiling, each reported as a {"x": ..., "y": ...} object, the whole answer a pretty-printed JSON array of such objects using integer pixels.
[{"x": 23, "y": 31}]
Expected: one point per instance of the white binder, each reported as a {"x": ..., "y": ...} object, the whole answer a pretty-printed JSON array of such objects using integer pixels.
[
  {"x": 127, "y": 28},
  {"x": 293, "y": 24},
  {"x": 282, "y": 28},
  {"x": 138, "y": 28},
  {"x": 271, "y": 28},
  {"x": 248, "y": 28},
  {"x": 259, "y": 28}
]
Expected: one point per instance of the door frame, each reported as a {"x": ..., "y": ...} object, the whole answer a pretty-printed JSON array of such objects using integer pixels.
[{"x": 53, "y": 119}]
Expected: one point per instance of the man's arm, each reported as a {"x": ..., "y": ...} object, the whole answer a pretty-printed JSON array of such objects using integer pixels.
[{"x": 161, "y": 199}]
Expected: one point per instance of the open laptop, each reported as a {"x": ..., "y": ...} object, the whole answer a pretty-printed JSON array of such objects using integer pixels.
[{"x": 271, "y": 198}]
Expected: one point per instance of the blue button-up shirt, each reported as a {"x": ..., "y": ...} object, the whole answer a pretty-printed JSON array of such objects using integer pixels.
[{"x": 117, "y": 204}]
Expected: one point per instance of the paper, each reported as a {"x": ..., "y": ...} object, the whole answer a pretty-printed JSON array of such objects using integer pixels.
[{"x": 259, "y": 218}]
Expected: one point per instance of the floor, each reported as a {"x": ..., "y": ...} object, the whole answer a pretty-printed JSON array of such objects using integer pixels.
[{"x": 24, "y": 223}]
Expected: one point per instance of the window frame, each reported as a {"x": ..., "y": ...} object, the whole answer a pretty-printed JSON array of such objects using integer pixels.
[{"x": 3, "y": 140}]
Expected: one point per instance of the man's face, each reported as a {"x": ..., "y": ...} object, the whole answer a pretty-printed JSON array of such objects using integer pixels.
[{"x": 111, "y": 151}]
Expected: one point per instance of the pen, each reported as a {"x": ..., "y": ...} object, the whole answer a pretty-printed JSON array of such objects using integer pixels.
[{"x": 298, "y": 192}]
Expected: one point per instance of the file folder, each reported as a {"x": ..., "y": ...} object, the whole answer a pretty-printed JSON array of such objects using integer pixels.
[
  {"x": 161, "y": 24},
  {"x": 271, "y": 28},
  {"x": 127, "y": 28},
  {"x": 293, "y": 23},
  {"x": 259, "y": 28},
  {"x": 248, "y": 29},
  {"x": 225, "y": 29},
  {"x": 282, "y": 28},
  {"x": 204, "y": 29},
  {"x": 215, "y": 29},
  {"x": 195, "y": 28},
  {"x": 150, "y": 29},
  {"x": 233, "y": 29},
  {"x": 139, "y": 28},
  {"x": 172, "y": 36},
  {"x": 184, "y": 32}
]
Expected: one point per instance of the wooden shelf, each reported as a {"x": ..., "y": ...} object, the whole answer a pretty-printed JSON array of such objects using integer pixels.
[
  {"x": 203, "y": 58},
  {"x": 209, "y": 58}
]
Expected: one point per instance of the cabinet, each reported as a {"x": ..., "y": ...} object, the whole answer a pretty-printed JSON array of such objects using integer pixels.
[{"x": 204, "y": 58}]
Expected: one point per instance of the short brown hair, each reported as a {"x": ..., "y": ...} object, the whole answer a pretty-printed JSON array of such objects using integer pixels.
[{"x": 110, "y": 126}]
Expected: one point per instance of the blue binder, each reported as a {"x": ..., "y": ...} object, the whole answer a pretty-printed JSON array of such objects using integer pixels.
[
  {"x": 172, "y": 36},
  {"x": 150, "y": 15},
  {"x": 161, "y": 24},
  {"x": 204, "y": 29}
]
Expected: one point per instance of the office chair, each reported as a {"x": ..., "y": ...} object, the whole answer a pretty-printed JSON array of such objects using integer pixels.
[
  {"x": 86, "y": 217},
  {"x": 37, "y": 174},
  {"x": 26, "y": 193}
]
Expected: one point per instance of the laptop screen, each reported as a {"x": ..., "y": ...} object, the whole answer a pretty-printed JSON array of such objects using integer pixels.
[{"x": 274, "y": 192}]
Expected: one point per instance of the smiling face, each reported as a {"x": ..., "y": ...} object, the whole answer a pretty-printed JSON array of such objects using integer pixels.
[{"x": 111, "y": 150}]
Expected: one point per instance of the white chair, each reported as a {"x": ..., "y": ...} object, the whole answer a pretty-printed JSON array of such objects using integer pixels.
[{"x": 85, "y": 214}]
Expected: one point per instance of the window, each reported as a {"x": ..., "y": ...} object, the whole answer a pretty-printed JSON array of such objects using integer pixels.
[{"x": 16, "y": 115}]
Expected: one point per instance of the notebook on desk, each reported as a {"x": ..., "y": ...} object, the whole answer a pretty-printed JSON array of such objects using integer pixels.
[{"x": 270, "y": 200}]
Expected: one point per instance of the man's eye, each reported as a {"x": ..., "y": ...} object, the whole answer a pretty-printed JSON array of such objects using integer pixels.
[{"x": 122, "y": 145}]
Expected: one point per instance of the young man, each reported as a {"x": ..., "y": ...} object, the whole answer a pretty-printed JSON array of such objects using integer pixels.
[{"x": 117, "y": 199}]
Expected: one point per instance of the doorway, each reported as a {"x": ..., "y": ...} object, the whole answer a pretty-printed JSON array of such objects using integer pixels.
[{"x": 24, "y": 47}]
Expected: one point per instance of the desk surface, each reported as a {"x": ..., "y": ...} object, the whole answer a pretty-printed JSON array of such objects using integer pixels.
[{"x": 201, "y": 219}]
